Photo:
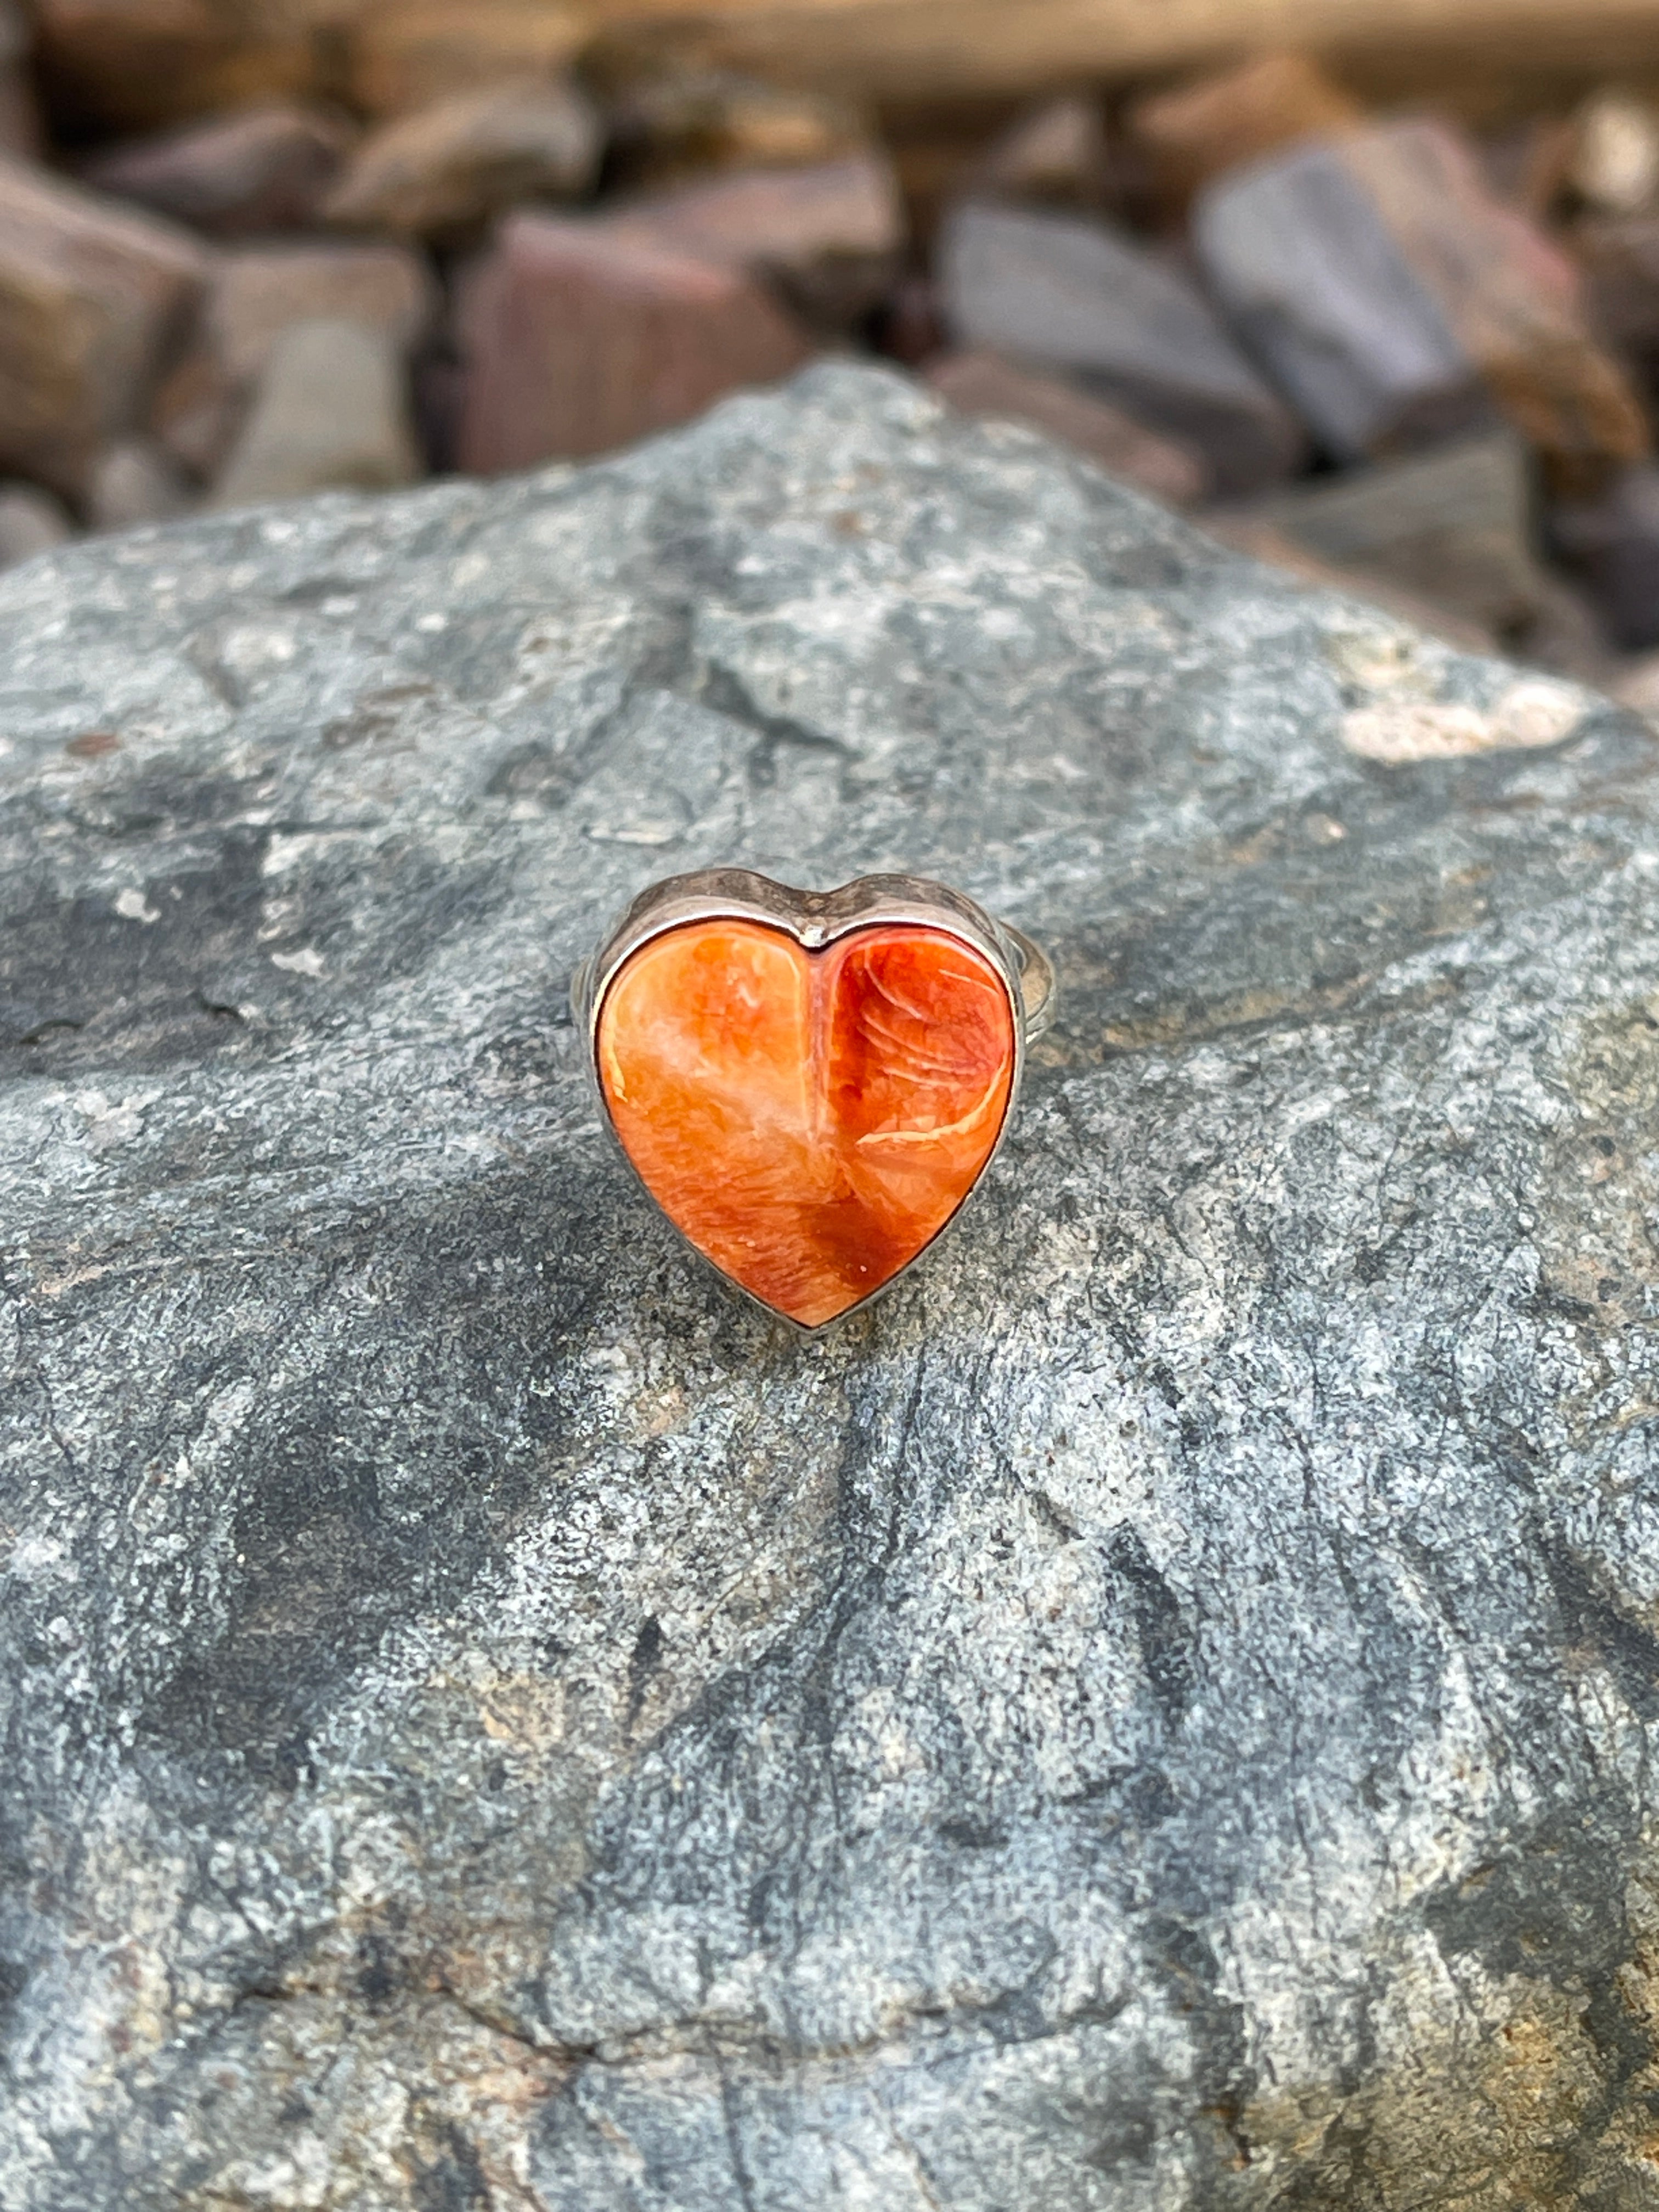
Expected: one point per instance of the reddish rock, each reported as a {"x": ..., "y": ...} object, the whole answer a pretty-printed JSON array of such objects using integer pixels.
[
  {"x": 1511, "y": 296},
  {"x": 266, "y": 169},
  {"x": 91, "y": 295},
  {"x": 402, "y": 55},
  {"x": 828, "y": 238},
  {"x": 1202, "y": 129},
  {"x": 810, "y": 1121},
  {"x": 450, "y": 167},
  {"x": 986, "y": 384},
  {"x": 575, "y": 342}
]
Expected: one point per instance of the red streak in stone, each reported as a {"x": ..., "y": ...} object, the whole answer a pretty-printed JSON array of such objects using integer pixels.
[{"x": 810, "y": 1121}]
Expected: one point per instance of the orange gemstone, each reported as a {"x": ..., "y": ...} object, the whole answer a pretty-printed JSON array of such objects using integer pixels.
[{"x": 810, "y": 1120}]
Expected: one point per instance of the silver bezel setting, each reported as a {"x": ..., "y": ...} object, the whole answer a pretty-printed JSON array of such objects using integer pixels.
[{"x": 817, "y": 920}]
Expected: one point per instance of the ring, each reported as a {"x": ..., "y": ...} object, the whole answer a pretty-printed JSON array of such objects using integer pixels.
[{"x": 810, "y": 1085}]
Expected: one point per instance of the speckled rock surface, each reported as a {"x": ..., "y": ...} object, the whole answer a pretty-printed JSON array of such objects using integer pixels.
[{"x": 1157, "y": 1714}]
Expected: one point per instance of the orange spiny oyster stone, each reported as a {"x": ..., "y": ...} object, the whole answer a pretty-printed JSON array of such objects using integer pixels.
[{"x": 808, "y": 1120}]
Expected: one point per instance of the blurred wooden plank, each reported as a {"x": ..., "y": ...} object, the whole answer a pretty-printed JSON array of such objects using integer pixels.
[{"x": 923, "y": 50}]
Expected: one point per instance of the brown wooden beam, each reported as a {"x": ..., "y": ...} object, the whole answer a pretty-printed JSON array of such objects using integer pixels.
[{"x": 922, "y": 50}]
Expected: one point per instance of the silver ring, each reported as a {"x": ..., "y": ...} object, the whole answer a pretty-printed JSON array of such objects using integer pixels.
[{"x": 810, "y": 1085}]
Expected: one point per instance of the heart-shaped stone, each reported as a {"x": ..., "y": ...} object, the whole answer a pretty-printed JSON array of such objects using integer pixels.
[{"x": 810, "y": 1119}]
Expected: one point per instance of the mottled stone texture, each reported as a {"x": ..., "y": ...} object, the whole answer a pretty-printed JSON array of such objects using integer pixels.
[{"x": 1155, "y": 1715}]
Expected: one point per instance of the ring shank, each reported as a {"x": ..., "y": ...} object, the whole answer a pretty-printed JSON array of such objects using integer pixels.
[{"x": 1037, "y": 980}]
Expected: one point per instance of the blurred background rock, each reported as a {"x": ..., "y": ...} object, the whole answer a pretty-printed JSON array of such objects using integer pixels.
[{"x": 1372, "y": 286}]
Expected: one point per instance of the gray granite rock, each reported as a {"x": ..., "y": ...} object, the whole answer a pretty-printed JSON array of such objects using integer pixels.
[
  {"x": 1456, "y": 526},
  {"x": 1311, "y": 276},
  {"x": 1157, "y": 1714},
  {"x": 1061, "y": 293}
]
